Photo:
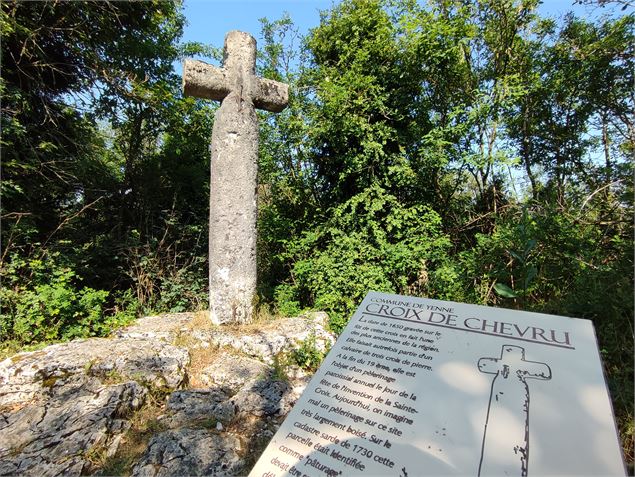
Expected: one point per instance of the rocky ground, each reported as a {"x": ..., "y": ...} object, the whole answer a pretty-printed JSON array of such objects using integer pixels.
[{"x": 169, "y": 395}]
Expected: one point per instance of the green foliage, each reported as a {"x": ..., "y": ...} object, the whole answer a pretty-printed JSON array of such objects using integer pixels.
[
  {"x": 53, "y": 306},
  {"x": 309, "y": 355},
  {"x": 278, "y": 371},
  {"x": 103, "y": 161},
  {"x": 166, "y": 276},
  {"x": 466, "y": 151},
  {"x": 372, "y": 242},
  {"x": 59, "y": 60},
  {"x": 286, "y": 303},
  {"x": 559, "y": 263}
]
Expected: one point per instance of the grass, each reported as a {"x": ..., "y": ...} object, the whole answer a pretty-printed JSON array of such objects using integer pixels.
[
  {"x": 145, "y": 424},
  {"x": 200, "y": 321},
  {"x": 263, "y": 316},
  {"x": 200, "y": 359}
]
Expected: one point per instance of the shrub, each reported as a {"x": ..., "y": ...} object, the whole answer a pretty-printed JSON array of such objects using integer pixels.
[
  {"x": 166, "y": 275},
  {"x": 309, "y": 354},
  {"x": 371, "y": 242},
  {"x": 44, "y": 301}
]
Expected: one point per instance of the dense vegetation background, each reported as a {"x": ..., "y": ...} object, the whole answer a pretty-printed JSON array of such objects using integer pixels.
[{"x": 461, "y": 150}]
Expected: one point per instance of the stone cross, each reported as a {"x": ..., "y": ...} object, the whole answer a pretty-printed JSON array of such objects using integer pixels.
[
  {"x": 233, "y": 181},
  {"x": 505, "y": 449}
]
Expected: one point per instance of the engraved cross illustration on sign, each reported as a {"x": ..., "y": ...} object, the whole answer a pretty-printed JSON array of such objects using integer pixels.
[
  {"x": 234, "y": 166},
  {"x": 505, "y": 448}
]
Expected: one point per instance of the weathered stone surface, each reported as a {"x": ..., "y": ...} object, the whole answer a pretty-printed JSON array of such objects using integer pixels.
[
  {"x": 233, "y": 181},
  {"x": 190, "y": 452},
  {"x": 164, "y": 327},
  {"x": 206, "y": 81},
  {"x": 245, "y": 405},
  {"x": 193, "y": 406},
  {"x": 264, "y": 398},
  {"x": 26, "y": 375},
  {"x": 68, "y": 400},
  {"x": 55, "y": 436},
  {"x": 231, "y": 371},
  {"x": 67, "y": 404},
  {"x": 233, "y": 212},
  {"x": 253, "y": 391},
  {"x": 269, "y": 340}
]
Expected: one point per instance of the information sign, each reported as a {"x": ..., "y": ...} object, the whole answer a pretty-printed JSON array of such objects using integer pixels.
[{"x": 424, "y": 387}]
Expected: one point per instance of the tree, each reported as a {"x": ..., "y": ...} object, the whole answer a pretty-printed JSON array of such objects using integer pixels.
[
  {"x": 89, "y": 91},
  {"x": 362, "y": 95},
  {"x": 64, "y": 63}
]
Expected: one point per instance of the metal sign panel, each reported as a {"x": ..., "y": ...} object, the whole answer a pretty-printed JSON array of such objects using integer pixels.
[{"x": 425, "y": 387}]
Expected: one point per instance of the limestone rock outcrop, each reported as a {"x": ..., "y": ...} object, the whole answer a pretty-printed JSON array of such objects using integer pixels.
[
  {"x": 69, "y": 409},
  {"x": 28, "y": 376},
  {"x": 190, "y": 452}
]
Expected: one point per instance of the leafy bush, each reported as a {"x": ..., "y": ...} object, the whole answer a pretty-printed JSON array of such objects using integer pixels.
[
  {"x": 554, "y": 262},
  {"x": 309, "y": 354},
  {"x": 52, "y": 305},
  {"x": 371, "y": 242},
  {"x": 286, "y": 304},
  {"x": 551, "y": 262},
  {"x": 167, "y": 275}
]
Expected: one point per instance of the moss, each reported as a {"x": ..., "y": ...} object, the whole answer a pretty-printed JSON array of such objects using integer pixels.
[
  {"x": 89, "y": 366},
  {"x": 206, "y": 423},
  {"x": 26, "y": 354},
  {"x": 50, "y": 381},
  {"x": 114, "y": 377}
]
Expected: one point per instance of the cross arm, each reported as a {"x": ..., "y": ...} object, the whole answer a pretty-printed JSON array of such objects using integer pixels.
[
  {"x": 204, "y": 81},
  {"x": 271, "y": 95}
]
